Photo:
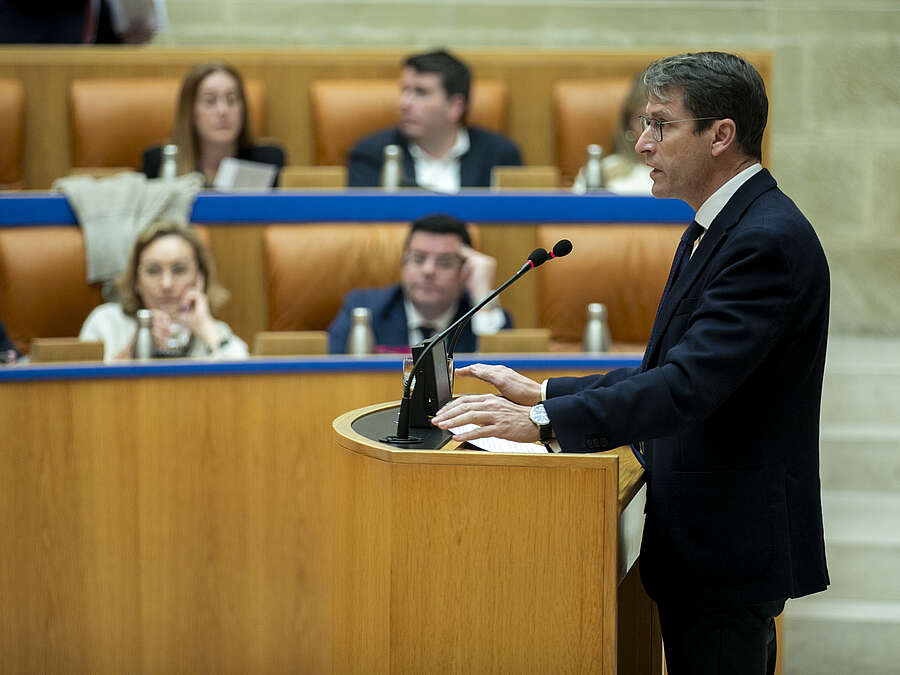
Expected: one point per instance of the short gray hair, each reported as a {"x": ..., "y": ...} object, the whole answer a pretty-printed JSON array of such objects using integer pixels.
[{"x": 714, "y": 84}]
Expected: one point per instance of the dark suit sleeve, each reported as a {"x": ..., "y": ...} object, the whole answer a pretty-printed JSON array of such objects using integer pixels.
[
  {"x": 151, "y": 161},
  {"x": 269, "y": 154},
  {"x": 364, "y": 164},
  {"x": 721, "y": 336},
  {"x": 339, "y": 329},
  {"x": 509, "y": 154},
  {"x": 563, "y": 386}
]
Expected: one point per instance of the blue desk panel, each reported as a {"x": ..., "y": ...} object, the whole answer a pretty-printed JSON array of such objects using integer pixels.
[
  {"x": 297, "y": 365},
  {"x": 44, "y": 208}
]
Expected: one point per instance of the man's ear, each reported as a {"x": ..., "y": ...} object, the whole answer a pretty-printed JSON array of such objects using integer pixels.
[
  {"x": 724, "y": 136},
  {"x": 457, "y": 108}
]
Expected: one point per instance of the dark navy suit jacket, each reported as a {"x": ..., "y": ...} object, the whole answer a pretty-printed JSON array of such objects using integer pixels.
[
  {"x": 389, "y": 319},
  {"x": 727, "y": 403},
  {"x": 486, "y": 150}
]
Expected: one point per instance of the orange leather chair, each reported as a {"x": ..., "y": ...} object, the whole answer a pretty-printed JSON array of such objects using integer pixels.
[
  {"x": 12, "y": 133},
  {"x": 345, "y": 110},
  {"x": 585, "y": 112},
  {"x": 623, "y": 266},
  {"x": 43, "y": 292},
  {"x": 113, "y": 120},
  {"x": 305, "y": 291}
]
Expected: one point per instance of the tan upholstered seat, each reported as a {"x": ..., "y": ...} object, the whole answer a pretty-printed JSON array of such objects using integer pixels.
[
  {"x": 623, "y": 266},
  {"x": 12, "y": 133},
  {"x": 113, "y": 120},
  {"x": 345, "y": 110},
  {"x": 43, "y": 292},
  {"x": 306, "y": 289},
  {"x": 585, "y": 112},
  {"x": 310, "y": 268}
]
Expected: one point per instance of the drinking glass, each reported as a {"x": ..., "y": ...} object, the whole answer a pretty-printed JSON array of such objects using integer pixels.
[{"x": 407, "y": 371}]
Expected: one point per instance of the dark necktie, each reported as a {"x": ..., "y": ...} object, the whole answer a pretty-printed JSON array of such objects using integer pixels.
[
  {"x": 683, "y": 253},
  {"x": 682, "y": 257},
  {"x": 426, "y": 331}
]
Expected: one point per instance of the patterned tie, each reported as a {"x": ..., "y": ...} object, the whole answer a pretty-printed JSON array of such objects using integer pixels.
[{"x": 682, "y": 257}]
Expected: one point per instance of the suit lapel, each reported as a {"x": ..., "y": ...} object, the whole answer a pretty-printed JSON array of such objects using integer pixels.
[{"x": 712, "y": 241}]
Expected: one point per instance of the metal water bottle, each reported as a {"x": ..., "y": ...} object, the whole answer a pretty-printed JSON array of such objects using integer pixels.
[
  {"x": 593, "y": 170},
  {"x": 391, "y": 169},
  {"x": 143, "y": 343},
  {"x": 361, "y": 339},
  {"x": 169, "y": 168},
  {"x": 596, "y": 330}
]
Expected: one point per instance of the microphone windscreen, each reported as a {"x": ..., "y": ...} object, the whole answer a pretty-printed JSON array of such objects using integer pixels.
[
  {"x": 538, "y": 257},
  {"x": 561, "y": 248}
]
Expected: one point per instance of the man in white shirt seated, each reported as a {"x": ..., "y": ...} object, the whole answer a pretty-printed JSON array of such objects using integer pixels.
[
  {"x": 442, "y": 278},
  {"x": 439, "y": 151}
]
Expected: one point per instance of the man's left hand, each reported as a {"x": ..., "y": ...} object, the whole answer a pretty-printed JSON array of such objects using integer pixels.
[{"x": 495, "y": 417}]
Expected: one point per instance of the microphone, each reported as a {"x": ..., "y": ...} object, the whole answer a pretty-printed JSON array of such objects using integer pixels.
[
  {"x": 561, "y": 248},
  {"x": 537, "y": 257}
]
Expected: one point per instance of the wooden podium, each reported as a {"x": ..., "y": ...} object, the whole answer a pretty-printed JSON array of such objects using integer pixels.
[{"x": 466, "y": 561}]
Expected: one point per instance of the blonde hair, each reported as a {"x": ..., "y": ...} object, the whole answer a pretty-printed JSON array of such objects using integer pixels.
[
  {"x": 129, "y": 297},
  {"x": 184, "y": 132}
]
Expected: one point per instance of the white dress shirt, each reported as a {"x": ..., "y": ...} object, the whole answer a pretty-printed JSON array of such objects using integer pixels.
[
  {"x": 440, "y": 174},
  {"x": 485, "y": 322}
]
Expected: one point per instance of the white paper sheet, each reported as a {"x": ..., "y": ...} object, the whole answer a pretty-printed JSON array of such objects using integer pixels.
[{"x": 492, "y": 444}]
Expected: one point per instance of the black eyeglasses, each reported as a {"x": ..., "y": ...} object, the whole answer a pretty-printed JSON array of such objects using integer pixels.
[{"x": 658, "y": 124}]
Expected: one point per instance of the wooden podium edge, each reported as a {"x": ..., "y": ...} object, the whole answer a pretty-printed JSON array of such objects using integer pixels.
[{"x": 630, "y": 473}]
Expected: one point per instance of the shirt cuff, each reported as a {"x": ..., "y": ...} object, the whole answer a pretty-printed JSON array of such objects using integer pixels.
[{"x": 544, "y": 389}]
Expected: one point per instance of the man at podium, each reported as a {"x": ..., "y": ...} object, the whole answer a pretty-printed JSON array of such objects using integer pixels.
[{"x": 723, "y": 412}]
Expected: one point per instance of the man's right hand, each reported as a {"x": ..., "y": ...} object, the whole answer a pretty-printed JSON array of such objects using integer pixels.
[{"x": 511, "y": 385}]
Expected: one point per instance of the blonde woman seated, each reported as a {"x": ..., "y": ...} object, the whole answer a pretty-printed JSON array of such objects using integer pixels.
[{"x": 172, "y": 274}]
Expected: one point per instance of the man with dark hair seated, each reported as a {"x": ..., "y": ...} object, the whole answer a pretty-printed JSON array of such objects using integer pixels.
[
  {"x": 442, "y": 278},
  {"x": 439, "y": 150}
]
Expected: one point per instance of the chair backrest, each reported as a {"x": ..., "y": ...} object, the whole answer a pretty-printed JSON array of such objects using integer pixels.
[
  {"x": 113, "y": 120},
  {"x": 305, "y": 291},
  {"x": 12, "y": 133},
  {"x": 43, "y": 292},
  {"x": 585, "y": 112},
  {"x": 345, "y": 110},
  {"x": 623, "y": 266}
]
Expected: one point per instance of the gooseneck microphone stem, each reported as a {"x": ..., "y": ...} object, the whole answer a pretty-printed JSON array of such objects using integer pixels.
[
  {"x": 402, "y": 437},
  {"x": 464, "y": 319}
]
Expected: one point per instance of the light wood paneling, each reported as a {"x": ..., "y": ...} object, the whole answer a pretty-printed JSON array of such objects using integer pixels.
[
  {"x": 528, "y": 73},
  {"x": 172, "y": 524}
]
